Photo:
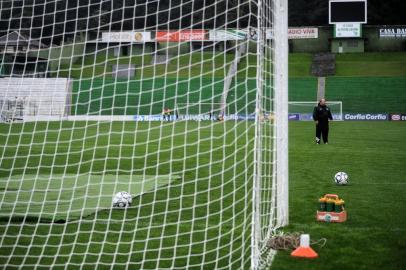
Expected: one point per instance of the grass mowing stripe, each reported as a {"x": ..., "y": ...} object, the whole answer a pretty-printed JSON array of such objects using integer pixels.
[{"x": 67, "y": 197}]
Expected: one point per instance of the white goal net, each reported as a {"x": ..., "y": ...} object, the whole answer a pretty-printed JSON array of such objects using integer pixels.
[{"x": 101, "y": 97}]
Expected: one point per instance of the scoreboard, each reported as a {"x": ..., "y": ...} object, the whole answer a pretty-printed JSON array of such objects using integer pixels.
[{"x": 347, "y": 11}]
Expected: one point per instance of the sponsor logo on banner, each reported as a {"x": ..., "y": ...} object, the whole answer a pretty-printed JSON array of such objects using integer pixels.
[
  {"x": 294, "y": 117},
  {"x": 233, "y": 34},
  {"x": 246, "y": 117},
  {"x": 303, "y": 32},
  {"x": 166, "y": 36},
  {"x": 347, "y": 30},
  {"x": 366, "y": 116},
  {"x": 192, "y": 35},
  {"x": 139, "y": 36},
  {"x": 397, "y": 117},
  {"x": 297, "y": 33},
  {"x": 193, "y": 117},
  {"x": 183, "y": 35},
  {"x": 251, "y": 33},
  {"x": 155, "y": 117},
  {"x": 129, "y": 36},
  {"x": 224, "y": 35},
  {"x": 291, "y": 117},
  {"x": 196, "y": 117},
  {"x": 392, "y": 32},
  {"x": 203, "y": 117}
]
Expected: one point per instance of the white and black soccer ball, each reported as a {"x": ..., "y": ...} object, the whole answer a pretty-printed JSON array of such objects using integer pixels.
[
  {"x": 341, "y": 178},
  {"x": 122, "y": 199}
]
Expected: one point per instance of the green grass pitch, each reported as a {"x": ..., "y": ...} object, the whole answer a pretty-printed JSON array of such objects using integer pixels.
[
  {"x": 372, "y": 153},
  {"x": 209, "y": 206}
]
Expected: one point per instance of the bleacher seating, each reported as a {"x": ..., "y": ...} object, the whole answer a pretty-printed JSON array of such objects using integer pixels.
[{"x": 323, "y": 64}]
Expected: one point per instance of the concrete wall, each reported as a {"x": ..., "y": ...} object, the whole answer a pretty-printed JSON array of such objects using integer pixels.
[
  {"x": 347, "y": 45},
  {"x": 313, "y": 45}
]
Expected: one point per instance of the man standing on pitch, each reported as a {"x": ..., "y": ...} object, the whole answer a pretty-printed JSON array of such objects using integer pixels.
[{"x": 321, "y": 116}]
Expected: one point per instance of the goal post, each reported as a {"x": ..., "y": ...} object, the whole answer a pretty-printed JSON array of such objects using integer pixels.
[
  {"x": 90, "y": 95},
  {"x": 281, "y": 52}
]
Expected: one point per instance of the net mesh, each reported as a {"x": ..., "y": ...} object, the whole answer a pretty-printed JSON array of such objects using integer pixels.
[{"x": 99, "y": 97}]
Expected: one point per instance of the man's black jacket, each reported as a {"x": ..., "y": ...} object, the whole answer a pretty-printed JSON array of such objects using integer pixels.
[{"x": 322, "y": 114}]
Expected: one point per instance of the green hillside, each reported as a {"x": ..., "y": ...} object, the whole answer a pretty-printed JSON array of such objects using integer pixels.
[
  {"x": 106, "y": 96},
  {"x": 371, "y": 64},
  {"x": 368, "y": 94},
  {"x": 208, "y": 64},
  {"x": 381, "y": 64}
]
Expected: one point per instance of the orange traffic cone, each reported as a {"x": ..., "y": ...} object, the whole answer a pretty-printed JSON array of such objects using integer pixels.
[{"x": 304, "y": 250}]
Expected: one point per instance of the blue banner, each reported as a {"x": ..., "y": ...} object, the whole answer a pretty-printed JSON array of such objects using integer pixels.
[
  {"x": 309, "y": 116},
  {"x": 306, "y": 117},
  {"x": 292, "y": 117}
]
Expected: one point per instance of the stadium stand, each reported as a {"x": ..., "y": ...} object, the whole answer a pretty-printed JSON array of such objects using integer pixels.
[{"x": 323, "y": 64}]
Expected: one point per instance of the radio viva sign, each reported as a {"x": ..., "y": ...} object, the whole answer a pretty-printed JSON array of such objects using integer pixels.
[
  {"x": 303, "y": 32},
  {"x": 297, "y": 33}
]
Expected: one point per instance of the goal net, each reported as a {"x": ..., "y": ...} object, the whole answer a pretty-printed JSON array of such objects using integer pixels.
[
  {"x": 91, "y": 97},
  {"x": 303, "y": 110}
]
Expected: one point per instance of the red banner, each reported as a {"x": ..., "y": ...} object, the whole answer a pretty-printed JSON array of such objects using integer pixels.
[{"x": 182, "y": 35}]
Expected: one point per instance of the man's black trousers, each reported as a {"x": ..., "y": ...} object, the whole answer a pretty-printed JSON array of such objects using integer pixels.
[{"x": 322, "y": 130}]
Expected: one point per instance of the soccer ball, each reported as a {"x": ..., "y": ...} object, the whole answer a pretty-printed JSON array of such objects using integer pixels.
[
  {"x": 341, "y": 178},
  {"x": 122, "y": 199}
]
